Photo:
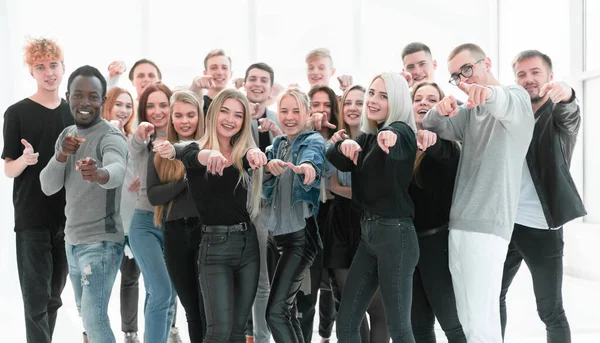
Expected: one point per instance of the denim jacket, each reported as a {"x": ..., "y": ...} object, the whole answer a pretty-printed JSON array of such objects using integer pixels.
[{"x": 309, "y": 146}]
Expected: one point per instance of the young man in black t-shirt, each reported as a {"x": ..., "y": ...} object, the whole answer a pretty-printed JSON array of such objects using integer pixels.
[{"x": 31, "y": 126}]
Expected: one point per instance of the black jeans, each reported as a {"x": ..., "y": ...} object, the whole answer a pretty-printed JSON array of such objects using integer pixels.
[
  {"x": 542, "y": 251},
  {"x": 386, "y": 257},
  {"x": 433, "y": 294},
  {"x": 181, "y": 242},
  {"x": 297, "y": 252},
  {"x": 378, "y": 331},
  {"x": 320, "y": 289},
  {"x": 130, "y": 293},
  {"x": 229, "y": 266},
  {"x": 43, "y": 269}
]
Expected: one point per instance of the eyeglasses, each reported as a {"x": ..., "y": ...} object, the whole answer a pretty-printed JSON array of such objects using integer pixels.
[{"x": 465, "y": 71}]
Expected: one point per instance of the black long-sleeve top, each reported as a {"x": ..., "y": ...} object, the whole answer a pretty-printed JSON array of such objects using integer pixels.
[
  {"x": 431, "y": 191},
  {"x": 161, "y": 194},
  {"x": 219, "y": 200},
  {"x": 380, "y": 181}
]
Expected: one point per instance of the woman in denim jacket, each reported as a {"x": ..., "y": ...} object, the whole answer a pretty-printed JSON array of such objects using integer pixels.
[{"x": 291, "y": 189}]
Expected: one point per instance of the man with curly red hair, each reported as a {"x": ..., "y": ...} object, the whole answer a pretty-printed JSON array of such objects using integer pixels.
[{"x": 31, "y": 126}]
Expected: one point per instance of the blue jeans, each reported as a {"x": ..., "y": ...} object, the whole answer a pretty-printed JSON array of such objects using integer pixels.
[
  {"x": 93, "y": 268},
  {"x": 146, "y": 242},
  {"x": 386, "y": 257}
]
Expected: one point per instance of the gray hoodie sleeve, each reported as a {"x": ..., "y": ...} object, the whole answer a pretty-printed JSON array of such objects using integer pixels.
[
  {"x": 448, "y": 128},
  {"x": 52, "y": 177},
  {"x": 114, "y": 160}
]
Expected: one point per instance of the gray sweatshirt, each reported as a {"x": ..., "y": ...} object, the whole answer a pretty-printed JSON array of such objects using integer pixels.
[
  {"x": 495, "y": 139},
  {"x": 92, "y": 210},
  {"x": 139, "y": 153}
]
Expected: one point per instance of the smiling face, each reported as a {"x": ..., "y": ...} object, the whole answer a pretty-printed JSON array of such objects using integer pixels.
[
  {"x": 144, "y": 75},
  {"x": 48, "y": 74},
  {"x": 532, "y": 74},
  {"x": 319, "y": 71},
  {"x": 291, "y": 116},
  {"x": 425, "y": 98},
  {"x": 258, "y": 86},
  {"x": 352, "y": 107},
  {"x": 122, "y": 109},
  {"x": 420, "y": 65},
  {"x": 185, "y": 120},
  {"x": 85, "y": 100},
  {"x": 377, "y": 101},
  {"x": 465, "y": 59},
  {"x": 230, "y": 118},
  {"x": 157, "y": 110},
  {"x": 321, "y": 103},
  {"x": 220, "y": 69}
]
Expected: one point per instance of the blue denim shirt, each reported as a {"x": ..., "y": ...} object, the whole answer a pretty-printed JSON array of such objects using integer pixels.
[{"x": 309, "y": 146}]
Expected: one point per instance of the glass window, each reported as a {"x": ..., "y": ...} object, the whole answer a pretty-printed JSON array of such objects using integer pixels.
[
  {"x": 592, "y": 28},
  {"x": 591, "y": 143}
]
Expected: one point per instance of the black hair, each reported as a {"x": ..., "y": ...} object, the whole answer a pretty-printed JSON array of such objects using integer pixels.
[{"x": 87, "y": 70}]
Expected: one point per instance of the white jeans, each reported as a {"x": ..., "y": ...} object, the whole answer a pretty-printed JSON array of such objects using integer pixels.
[{"x": 476, "y": 264}]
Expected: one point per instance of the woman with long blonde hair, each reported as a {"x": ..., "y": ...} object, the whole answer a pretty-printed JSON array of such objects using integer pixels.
[
  {"x": 381, "y": 162},
  {"x": 227, "y": 197},
  {"x": 174, "y": 208}
]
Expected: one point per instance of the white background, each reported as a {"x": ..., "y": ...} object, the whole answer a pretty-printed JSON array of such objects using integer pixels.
[{"x": 364, "y": 36}]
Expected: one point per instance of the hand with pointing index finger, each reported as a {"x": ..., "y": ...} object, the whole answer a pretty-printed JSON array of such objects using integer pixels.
[
  {"x": 338, "y": 136},
  {"x": 204, "y": 82},
  {"x": 350, "y": 149},
  {"x": 448, "y": 106},
  {"x": 319, "y": 120},
  {"x": 345, "y": 81},
  {"x": 70, "y": 144},
  {"x": 386, "y": 140},
  {"x": 276, "y": 167},
  {"x": 478, "y": 94},
  {"x": 116, "y": 68},
  {"x": 266, "y": 125},
  {"x": 557, "y": 91},
  {"x": 256, "y": 158},
  {"x": 144, "y": 131},
  {"x": 29, "y": 156},
  {"x": 425, "y": 139},
  {"x": 88, "y": 169},
  {"x": 306, "y": 169}
]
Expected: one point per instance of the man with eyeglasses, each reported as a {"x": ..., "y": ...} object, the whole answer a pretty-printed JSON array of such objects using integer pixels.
[{"x": 495, "y": 126}]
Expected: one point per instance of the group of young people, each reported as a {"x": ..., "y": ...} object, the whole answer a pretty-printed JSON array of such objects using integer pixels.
[{"x": 392, "y": 200}]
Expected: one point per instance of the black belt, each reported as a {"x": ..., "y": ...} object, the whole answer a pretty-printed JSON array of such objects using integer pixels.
[
  {"x": 433, "y": 231},
  {"x": 225, "y": 228}
]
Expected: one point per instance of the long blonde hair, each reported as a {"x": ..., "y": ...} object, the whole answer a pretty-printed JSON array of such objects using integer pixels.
[
  {"x": 173, "y": 170},
  {"x": 399, "y": 104},
  {"x": 241, "y": 143}
]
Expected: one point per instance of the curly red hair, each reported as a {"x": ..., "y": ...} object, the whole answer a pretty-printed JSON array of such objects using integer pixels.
[{"x": 40, "y": 49}]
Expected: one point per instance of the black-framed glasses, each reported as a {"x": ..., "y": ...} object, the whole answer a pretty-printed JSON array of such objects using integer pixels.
[{"x": 466, "y": 71}]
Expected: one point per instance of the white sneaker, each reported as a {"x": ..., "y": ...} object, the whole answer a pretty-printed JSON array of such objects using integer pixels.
[
  {"x": 131, "y": 337},
  {"x": 174, "y": 336}
]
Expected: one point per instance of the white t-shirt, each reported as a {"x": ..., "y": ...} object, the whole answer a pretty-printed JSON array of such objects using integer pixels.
[{"x": 529, "y": 210}]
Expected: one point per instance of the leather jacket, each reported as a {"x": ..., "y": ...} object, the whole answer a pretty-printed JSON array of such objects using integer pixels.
[{"x": 549, "y": 158}]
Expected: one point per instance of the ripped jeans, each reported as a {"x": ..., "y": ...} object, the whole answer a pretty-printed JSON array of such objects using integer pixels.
[{"x": 93, "y": 268}]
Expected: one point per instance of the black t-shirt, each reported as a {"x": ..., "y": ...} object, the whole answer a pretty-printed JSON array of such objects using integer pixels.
[
  {"x": 432, "y": 196},
  {"x": 264, "y": 139},
  {"x": 380, "y": 181},
  {"x": 207, "y": 102},
  {"x": 40, "y": 126},
  {"x": 220, "y": 200}
]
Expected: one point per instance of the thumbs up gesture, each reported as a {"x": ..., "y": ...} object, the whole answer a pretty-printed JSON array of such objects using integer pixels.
[
  {"x": 556, "y": 91},
  {"x": 478, "y": 94},
  {"x": 29, "y": 156}
]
